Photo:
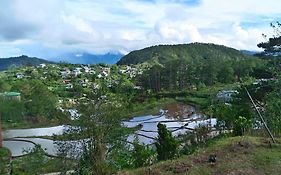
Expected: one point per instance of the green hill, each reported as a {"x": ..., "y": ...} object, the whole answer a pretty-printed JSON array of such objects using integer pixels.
[
  {"x": 235, "y": 155},
  {"x": 20, "y": 61},
  {"x": 193, "y": 51}
]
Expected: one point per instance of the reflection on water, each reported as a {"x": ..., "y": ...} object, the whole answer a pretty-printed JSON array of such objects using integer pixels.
[
  {"x": 57, "y": 130},
  {"x": 47, "y": 145},
  {"x": 17, "y": 147},
  {"x": 146, "y": 134},
  {"x": 148, "y": 131}
]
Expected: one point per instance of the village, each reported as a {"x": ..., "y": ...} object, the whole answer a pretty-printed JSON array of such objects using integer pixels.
[{"x": 75, "y": 80}]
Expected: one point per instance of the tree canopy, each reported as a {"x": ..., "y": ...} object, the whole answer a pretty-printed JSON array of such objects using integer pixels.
[{"x": 273, "y": 44}]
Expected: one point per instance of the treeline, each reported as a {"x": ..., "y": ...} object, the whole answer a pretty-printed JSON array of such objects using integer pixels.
[{"x": 181, "y": 74}]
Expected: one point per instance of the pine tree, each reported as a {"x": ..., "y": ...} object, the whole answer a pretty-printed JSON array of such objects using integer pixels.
[
  {"x": 273, "y": 45},
  {"x": 167, "y": 146}
]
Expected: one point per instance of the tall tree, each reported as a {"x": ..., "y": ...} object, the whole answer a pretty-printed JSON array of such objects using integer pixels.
[
  {"x": 167, "y": 146},
  {"x": 273, "y": 109},
  {"x": 273, "y": 44},
  {"x": 98, "y": 130},
  {"x": 40, "y": 101}
]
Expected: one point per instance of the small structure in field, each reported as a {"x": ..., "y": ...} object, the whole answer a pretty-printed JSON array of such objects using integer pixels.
[{"x": 12, "y": 95}]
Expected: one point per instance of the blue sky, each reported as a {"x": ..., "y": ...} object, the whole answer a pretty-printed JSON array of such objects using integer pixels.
[{"x": 53, "y": 27}]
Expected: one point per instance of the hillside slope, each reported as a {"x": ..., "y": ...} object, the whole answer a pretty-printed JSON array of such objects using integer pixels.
[
  {"x": 236, "y": 155},
  {"x": 20, "y": 61},
  {"x": 193, "y": 51}
]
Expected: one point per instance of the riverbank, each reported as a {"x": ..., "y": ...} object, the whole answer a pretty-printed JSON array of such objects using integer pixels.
[{"x": 28, "y": 125}]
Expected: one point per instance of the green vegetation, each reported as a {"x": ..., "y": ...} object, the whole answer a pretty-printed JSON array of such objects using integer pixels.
[
  {"x": 235, "y": 155},
  {"x": 208, "y": 76},
  {"x": 272, "y": 46},
  {"x": 188, "y": 52},
  {"x": 20, "y": 61},
  {"x": 5, "y": 157},
  {"x": 142, "y": 155},
  {"x": 192, "y": 66},
  {"x": 36, "y": 162},
  {"x": 100, "y": 124},
  {"x": 167, "y": 146}
]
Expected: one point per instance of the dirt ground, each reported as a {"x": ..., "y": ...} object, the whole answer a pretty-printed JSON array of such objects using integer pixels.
[{"x": 179, "y": 111}]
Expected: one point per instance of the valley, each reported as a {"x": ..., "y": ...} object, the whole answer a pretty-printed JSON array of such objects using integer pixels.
[{"x": 52, "y": 112}]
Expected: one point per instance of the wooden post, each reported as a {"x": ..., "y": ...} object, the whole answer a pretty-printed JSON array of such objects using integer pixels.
[{"x": 262, "y": 119}]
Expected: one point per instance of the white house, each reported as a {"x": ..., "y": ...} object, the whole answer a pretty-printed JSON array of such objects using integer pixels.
[
  {"x": 19, "y": 75},
  {"x": 42, "y": 65},
  {"x": 226, "y": 95},
  {"x": 69, "y": 86}
]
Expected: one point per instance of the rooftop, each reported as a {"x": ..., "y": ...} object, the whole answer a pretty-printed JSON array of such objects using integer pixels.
[{"x": 12, "y": 94}]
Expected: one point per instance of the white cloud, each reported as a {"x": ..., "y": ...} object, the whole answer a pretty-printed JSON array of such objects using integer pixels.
[{"x": 105, "y": 25}]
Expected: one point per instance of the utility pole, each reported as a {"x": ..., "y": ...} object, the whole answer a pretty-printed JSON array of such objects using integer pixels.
[{"x": 262, "y": 119}]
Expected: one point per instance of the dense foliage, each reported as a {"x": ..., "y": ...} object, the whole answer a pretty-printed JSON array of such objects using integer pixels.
[
  {"x": 273, "y": 45},
  {"x": 99, "y": 130},
  {"x": 167, "y": 146},
  {"x": 180, "y": 74},
  {"x": 195, "y": 52}
]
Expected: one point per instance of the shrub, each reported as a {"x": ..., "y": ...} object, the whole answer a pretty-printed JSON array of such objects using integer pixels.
[{"x": 167, "y": 146}]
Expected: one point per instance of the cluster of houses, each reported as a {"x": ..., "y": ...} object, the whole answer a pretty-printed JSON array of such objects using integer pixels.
[
  {"x": 99, "y": 72},
  {"x": 66, "y": 72},
  {"x": 131, "y": 71},
  {"x": 81, "y": 75}
]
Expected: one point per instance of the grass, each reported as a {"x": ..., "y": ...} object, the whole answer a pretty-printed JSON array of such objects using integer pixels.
[
  {"x": 150, "y": 107},
  {"x": 38, "y": 163},
  {"x": 25, "y": 167},
  {"x": 4, "y": 152},
  {"x": 4, "y": 160},
  {"x": 235, "y": 155}
]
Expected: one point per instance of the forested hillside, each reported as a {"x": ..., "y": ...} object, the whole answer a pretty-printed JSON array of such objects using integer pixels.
[
  {"x": 179, "y": 67},
  {"x": 190, "y": 52},
  {"x": 20, "y": 61}
]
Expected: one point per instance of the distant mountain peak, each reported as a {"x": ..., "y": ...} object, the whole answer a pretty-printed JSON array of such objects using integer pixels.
[
  {"x": 249, "y": 52},
  {"x": 88, "y": 58}
]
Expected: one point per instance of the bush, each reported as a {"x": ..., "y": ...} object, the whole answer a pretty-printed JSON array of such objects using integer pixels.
[
  {"x": 167, "y": 146},
  {"x": 241, "y": 125},
  {"x": 142, "y": 155}
]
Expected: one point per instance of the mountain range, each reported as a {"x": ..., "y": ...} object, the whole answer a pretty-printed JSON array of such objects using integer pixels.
[
  {"x": 78, "y": 58},
  {"x": 87, "y": 58},
  {"x": 160, "y": 53}
]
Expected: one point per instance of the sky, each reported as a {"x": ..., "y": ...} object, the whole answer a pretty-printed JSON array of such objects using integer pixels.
[{"x": 48, "y": 28}]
